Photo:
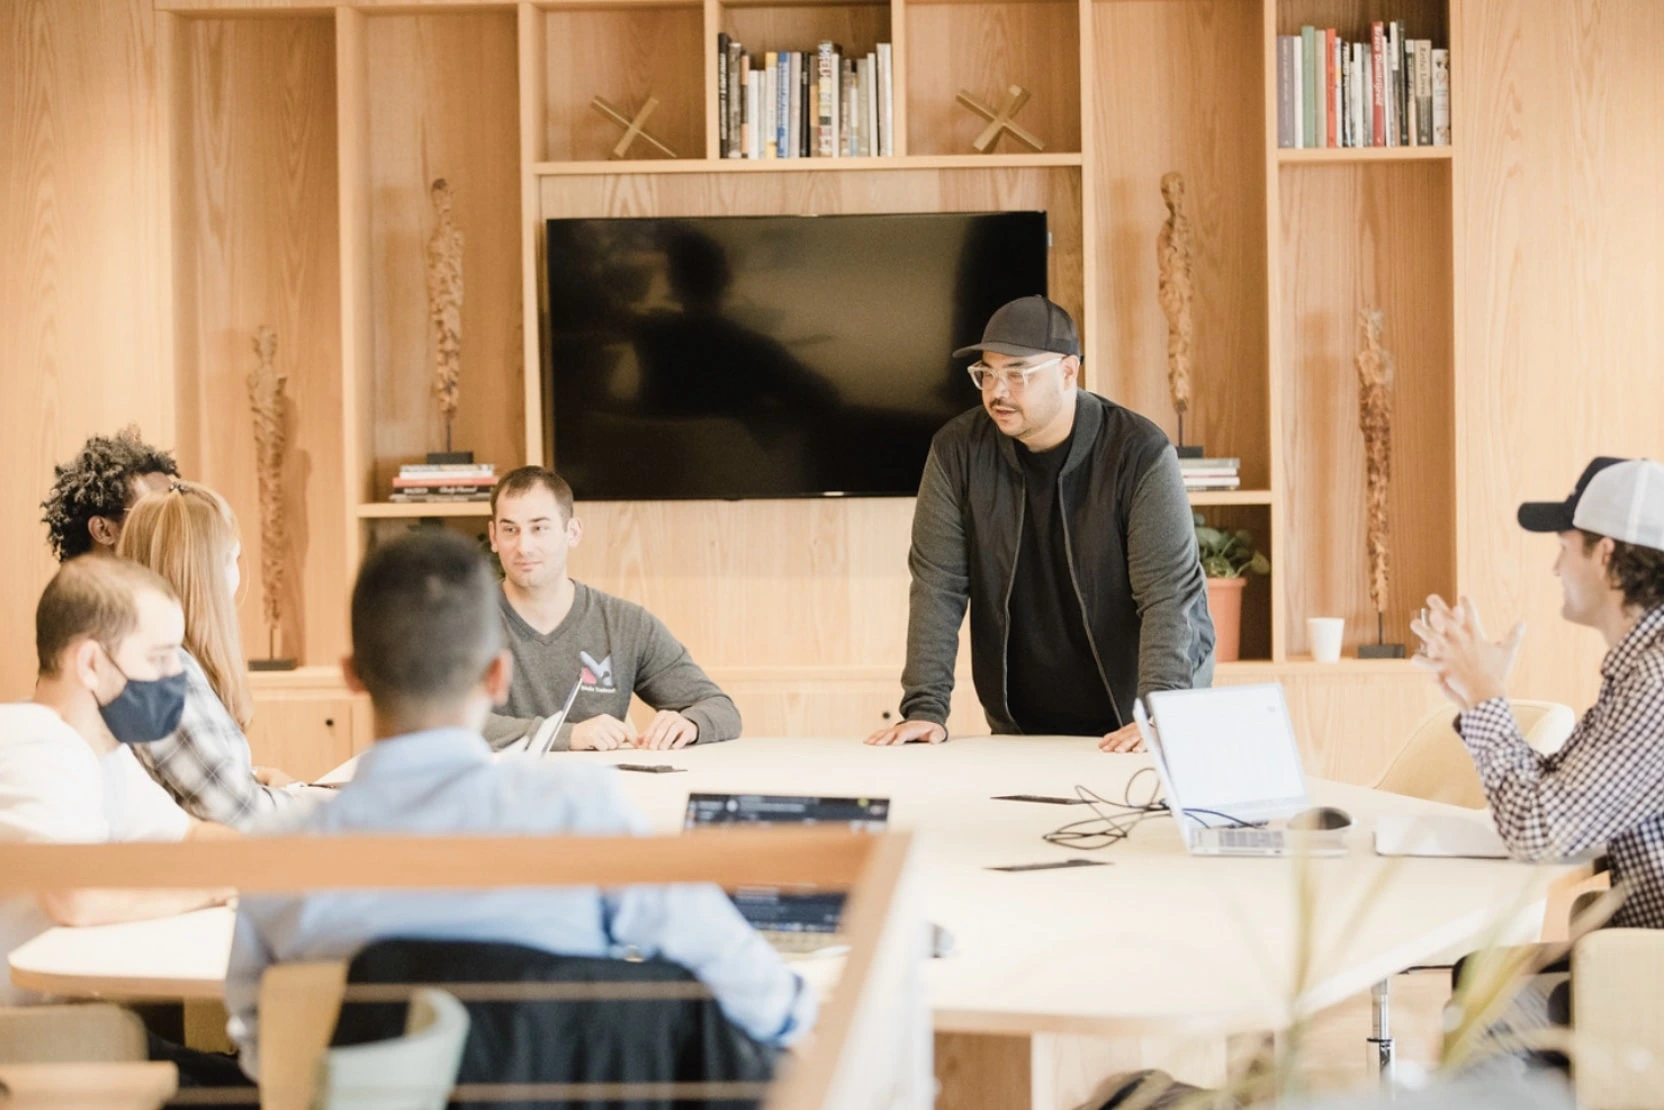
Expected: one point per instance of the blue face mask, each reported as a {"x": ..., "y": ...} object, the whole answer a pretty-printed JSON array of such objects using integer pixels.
[{"x": 145, "y": 711}]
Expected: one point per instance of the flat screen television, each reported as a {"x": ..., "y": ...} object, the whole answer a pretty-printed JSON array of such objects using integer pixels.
[{"x": 774, "y": 356}]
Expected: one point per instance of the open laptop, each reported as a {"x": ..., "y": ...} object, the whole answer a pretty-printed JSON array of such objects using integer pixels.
[
  {"x": 1228, "y": 764},
  {"x": 799, "y": 918}
]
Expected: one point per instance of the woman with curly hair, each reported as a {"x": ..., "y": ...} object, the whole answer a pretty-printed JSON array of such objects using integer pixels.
[
  {"x": 188, "y": 535},
  {"x": 93, "y": 491}
]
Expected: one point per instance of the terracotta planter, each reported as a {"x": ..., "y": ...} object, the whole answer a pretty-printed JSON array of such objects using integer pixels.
[{"x": 1225, "y": 607}]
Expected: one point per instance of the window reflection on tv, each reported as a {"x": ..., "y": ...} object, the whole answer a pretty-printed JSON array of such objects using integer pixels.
[{"x": 772, "y": 356}]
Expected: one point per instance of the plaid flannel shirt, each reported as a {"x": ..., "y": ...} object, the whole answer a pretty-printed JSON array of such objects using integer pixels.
[
  {"x": 1605, "y": 787},
  {"x": 206, "y": 765}
]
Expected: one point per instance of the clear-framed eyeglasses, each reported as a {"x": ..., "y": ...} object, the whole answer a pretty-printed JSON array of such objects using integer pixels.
[{"x": 1015, "y": 378}]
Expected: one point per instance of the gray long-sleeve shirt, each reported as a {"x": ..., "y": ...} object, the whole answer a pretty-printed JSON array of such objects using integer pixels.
[{"x": 618, "y": 649}]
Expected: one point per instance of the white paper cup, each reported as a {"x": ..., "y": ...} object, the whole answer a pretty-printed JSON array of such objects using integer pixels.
[{"x": 1325, "y": 634}]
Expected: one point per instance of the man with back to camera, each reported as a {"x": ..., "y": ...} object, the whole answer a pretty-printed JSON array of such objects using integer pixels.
[
  {"x": 563, "y": 632},
  {"x": 1061, "y": 519},
  {"x": 108, "y": 635},
  {"x": 429, "y": 648},
  {"x": 92, "y": 492}
]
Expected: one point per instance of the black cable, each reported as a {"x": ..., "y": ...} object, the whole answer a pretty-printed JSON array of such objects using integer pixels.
[{"x": 1111, "y": 822}]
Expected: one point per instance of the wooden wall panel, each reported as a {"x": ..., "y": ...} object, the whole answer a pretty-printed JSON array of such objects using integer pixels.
[
  {"x": 255, "y": 244},
  {"x": 1422, "y": 19},
  {"x": 443, "y": 102},
  {"x": 84, "y": 291},
  {"x": 1355, "y": 235},
  {"x": 1559, "y": 116},
  {"x": 1172, "y": 94},
  {"x": 983, "y": 48},
  {"x": 626, "y": 57}
]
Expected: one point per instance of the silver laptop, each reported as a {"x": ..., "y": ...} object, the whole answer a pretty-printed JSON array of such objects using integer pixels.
[
  {"x": 797, "y": 919},
  {"x": 1229, "y": 763}
]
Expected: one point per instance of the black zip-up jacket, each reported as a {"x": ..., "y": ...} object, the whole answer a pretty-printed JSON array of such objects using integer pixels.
[{"x": 1131, "y": 550}]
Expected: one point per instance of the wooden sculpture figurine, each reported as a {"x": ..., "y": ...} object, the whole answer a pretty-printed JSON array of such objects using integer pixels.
[
  {"x": 444, "y": 258},
  {"x": 1375, "y": 373},
  {"x": 266, "y": 399},
  {"x": 1173, "y": 291}
]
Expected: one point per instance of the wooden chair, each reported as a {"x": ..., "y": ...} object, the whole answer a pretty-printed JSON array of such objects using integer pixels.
[
  {"x": 89, "y": 1033},
  {"x": 1435, "y": 766},
  {"x": 412, "y": 1072},
  {"x": 1618, "y": 1019}
]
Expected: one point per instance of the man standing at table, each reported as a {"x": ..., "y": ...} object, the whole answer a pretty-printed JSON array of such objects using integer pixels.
[
  {"x": 108, "y": 635},
  {"x": 428, "y": 647},
  {"x": 562, "y": 633},
  {"x": 1061, "y": 519}
]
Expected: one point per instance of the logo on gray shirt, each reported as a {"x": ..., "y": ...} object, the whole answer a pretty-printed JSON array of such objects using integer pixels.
[{"x": 597, "y": 674}]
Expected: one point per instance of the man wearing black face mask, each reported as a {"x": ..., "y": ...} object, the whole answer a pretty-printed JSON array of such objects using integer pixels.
[{"x": 107, "y": 634}]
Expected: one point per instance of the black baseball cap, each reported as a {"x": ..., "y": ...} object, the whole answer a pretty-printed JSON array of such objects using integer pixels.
[
  {"x": 1557, "y": 516},
  {"x": 1027, "y": 326}
]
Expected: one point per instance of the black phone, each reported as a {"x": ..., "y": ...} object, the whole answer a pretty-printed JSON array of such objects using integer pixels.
[
  {"x": 649, "y": 768},
  {"x": 1046, "y": 799},
  {"x": 1050, "y": 865}
]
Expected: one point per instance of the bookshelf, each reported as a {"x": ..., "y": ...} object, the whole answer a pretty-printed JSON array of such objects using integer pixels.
[{"x": 304, "y": 137}]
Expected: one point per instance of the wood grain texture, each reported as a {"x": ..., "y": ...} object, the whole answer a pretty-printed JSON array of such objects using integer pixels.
[
  {"x": 443, "y": 95},
  {"x": 983, "y": 48},
  {"x": 304, "y": 735},
  {"x": 625, "y": 56},
  {"x": 85, "y": 302},
  {"x": 1559, "y": 116},
  {"x": 1423, "y": 19},
  {"x": 1354, "y": 235},
  {"x": 255, "y": 244},
  {"x": 1173, "y": 96}
]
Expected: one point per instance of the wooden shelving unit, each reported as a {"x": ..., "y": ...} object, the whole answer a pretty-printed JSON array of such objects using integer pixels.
[{"x": 304, "y": 141}]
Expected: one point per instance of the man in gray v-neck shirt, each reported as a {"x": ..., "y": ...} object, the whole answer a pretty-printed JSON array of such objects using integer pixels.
[{"x": 563, "y": 633}]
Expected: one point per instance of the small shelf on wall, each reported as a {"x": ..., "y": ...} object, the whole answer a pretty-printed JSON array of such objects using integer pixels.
[
  {"x": 415, "y": 510},
  {"x": 1299, "y": 156},
  {"x": 1062, "y": 160}
]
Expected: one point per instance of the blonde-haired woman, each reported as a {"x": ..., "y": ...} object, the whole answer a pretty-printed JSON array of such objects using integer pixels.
[{"x": 188, "y": 534}]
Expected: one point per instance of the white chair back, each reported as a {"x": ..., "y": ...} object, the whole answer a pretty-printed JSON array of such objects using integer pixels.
[{"x": 413, "y": 1072}]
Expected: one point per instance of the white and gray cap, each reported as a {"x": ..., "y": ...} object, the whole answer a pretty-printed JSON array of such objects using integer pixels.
[{"x": 1621, "y": 498}]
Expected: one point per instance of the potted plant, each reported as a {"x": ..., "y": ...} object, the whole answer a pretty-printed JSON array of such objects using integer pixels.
[{"x": 1227, "y": 560}]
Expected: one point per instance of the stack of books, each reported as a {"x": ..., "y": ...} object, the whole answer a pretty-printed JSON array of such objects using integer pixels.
[
  {"x": 817, "y": 104},
  {"x": 445, "y": 482},
  {"x": 1210, "y": 474},
  {"x": 1390, "y": 91}
]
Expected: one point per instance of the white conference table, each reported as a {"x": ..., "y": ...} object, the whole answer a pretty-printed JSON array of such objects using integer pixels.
[{"x": 1158, "y": 944}]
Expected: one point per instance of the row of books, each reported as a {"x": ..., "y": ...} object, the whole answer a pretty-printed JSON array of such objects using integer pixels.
[
  {"x": 1390, "y": 91},
  {"x": 430, "y": 482},
  {"x": 1211, "y": 474},
  {"x": 790, "y": 104}
]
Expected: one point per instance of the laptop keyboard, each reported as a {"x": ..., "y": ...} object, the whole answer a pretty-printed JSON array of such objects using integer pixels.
[
  {"x": 1250, "y": 840},
  {"x": 800, "y": 942}
]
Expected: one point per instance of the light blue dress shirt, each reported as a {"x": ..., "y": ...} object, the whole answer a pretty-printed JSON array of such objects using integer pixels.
[{"x": 445, "y": 782}]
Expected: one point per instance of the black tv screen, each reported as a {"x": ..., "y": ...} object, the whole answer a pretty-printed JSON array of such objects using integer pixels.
[{"x": 775, "y": 356}]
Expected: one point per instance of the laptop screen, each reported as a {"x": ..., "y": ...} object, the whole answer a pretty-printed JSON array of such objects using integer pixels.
[
  {"x": 795, "y": 909},
  {"x": 1230, "y": 750}
]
